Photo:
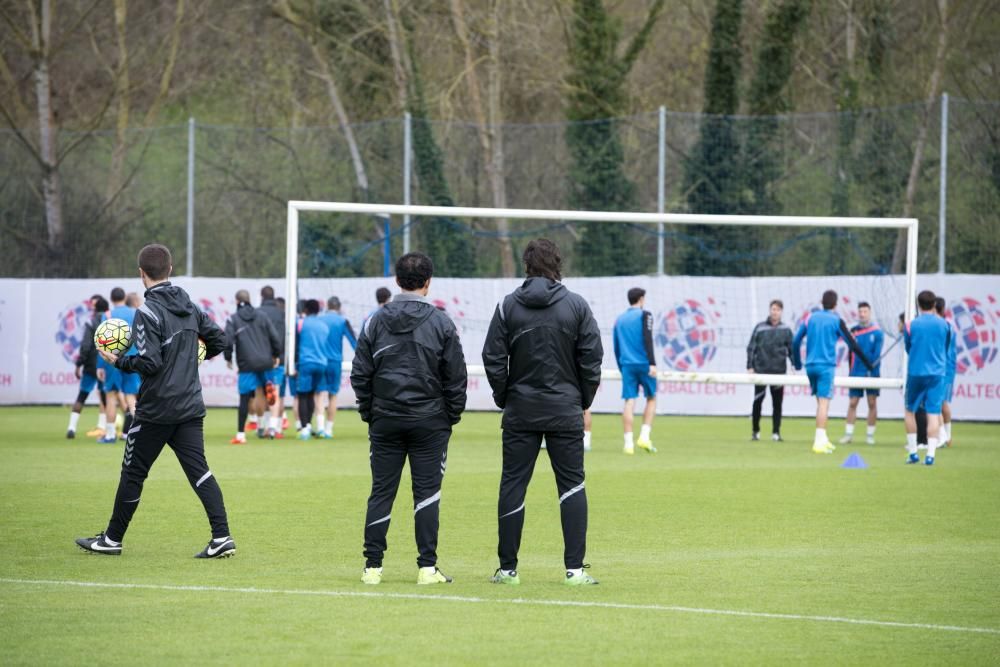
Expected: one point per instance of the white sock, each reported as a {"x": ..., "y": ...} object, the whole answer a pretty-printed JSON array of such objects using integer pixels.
[
  {"x": 576, "y": 573},
  {"x": 429, "y": 569},
  {"x": 509, "y": 573},
  {"x": 848, "y": 429},
  {"x": 329, "y": 427},
  {"x": 110, "y": 433},
  {"x": 74, "y": 417},
  {"x": 628, "y": 440},
  {"x": 321, "y": 422},
  {"x": 240, "y": 435},
  {"x": 275, "y": 423},
  {"x": 932, "y": 444},
  {"x": 644, "y": 431},
  {"x": 911, "y": 443},
  {"x": 945, "y": 432},
  {"x": 871, "y": 431},
  {"x": 261, "y": 422},
  {"x": 298, "y": 425},
  {"x": 220, "y": 540},
  {"x": 820, "y": 436},
  {"x": 586, "y": 439},
  {"x": 112, "y": 542},
  {"x": 102, "y": 421}
]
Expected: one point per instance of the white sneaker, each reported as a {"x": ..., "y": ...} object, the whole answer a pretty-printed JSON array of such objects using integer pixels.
[
  {"x": 846, "y": 440},
  {"x": 870, "y": 440}
]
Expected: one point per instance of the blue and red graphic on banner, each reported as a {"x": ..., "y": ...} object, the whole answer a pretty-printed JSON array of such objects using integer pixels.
[
  {"x": 689, "y": 334},
  {"x": 976, "y": 323}
]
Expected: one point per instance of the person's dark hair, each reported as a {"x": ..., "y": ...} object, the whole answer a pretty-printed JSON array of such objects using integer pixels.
[
  {"x": 939, "y": 305},
  {"x": 100, "y": 304},
  {"x": 382, "y": 295},
  {"x": 96, "y": 296},
  {"x": 902, "y": 318},
  {"x": 155, "y": 261},
  {"x": 280, "y": 301},
  {"x": 635, "y": 294},
  {"x": 333, "y": 303},
  {"x": 925, "y": 300},
  {"x": 117, "y": 294},
  {"x": 778, "y": 303},
  {"x": 266, "y": 293},
  {"x": 413, "y": 270},
  {"x": 312, "y": 307},
  {"x": 829, "y": 300},
  {"x": 864, "y": 304},
  {"x": 542, "y": 260},
  {"x": 242, "y": 296},
  {"x": 300, "y": 306}
]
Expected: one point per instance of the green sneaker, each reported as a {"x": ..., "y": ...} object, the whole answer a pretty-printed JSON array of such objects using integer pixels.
[
  {"x": 432, "y": 575},
  {"x": 582, "y": 579},
  {"x": 499, "y": 577},
  {"x": 372, "y": 575}
]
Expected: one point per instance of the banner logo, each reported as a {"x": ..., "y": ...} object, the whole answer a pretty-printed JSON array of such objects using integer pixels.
[
  {"x": 976, "y": 323},
  {"x": 72, "y": 321},
  {"x": 689, "y": 334}
]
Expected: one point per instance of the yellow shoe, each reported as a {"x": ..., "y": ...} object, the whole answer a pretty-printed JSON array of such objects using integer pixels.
[
  {"x": 646, "y": 444},
  {"x": 628, "y": 450},
  {"x": 432, "y": 575},
  {"x": 823, "y": 448},
  {"x": 372, "y": 576},
  {"x": 96, "y": 433}
]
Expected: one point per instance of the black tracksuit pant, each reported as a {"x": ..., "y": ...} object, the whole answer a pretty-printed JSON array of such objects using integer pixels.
[
  {"x": 520, "y": 450},
  {"x": 143, "y": 445},
  {"x": 777, "y": 396},
  {"x": 425, "y": 443}
]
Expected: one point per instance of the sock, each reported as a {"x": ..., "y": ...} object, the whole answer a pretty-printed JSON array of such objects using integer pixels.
[
  {"x": 871, "y": 431},
  {"x": 110, "y": 432},
  {"x": 74, "y": 417},
  {"x": 275, "y": 424},
  {"x": 945, "y": 432},
  {"x": 240, "y": 435},
  {"x": 932, "y": 445},
  {"x": 586, "y": 439},
  {"x": 911, "y": 443},
  {"x": 848, "y": 429},
  {"x": 261, "y": 422},
  {"x": 320, "y": 422},
  {"x": 220, "y": 540},
  {"x": 644, "y": 431},
  {"x": 508, "y": 573},
  {"x": 298, "y": 425},
  {"x": 429, "y": 569},
  {"x": 628, "y": 440},
  {"x": 102, "y": 421},
  {"x": 576, "y": 573},
  {"x": 820, "y": 436},
  {"x": 111, "y": 541}
]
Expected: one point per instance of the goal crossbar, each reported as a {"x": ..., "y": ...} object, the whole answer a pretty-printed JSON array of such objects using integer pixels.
[{"x": 910, "y": 225}]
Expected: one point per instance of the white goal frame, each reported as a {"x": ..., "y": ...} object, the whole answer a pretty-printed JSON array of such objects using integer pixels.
[{"x": 383, "y": 210}]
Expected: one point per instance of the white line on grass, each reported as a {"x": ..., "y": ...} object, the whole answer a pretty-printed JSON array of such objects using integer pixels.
[{"x": 525, "y": 601}]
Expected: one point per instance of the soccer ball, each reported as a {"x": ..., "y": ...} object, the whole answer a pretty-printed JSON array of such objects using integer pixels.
[
  {"x": 113, "y": 336},
  {"x": 202, "y": 351}
]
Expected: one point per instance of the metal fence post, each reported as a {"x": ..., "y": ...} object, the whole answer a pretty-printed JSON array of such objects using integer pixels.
[
  {"x": 661, "y": 188},
  {"x": 190, "y": 199},
  {"x": 407, "y": 166},
  {"x": 943, "y": 194}
]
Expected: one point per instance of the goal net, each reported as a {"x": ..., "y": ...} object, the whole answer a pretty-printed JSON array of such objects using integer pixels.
[{"x": 702, "y": 323}]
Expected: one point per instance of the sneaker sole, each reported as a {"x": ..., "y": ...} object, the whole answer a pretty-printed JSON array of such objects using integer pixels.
[
  {"x": 227, "y": 554},
  {"x": 99, "y": 553}
]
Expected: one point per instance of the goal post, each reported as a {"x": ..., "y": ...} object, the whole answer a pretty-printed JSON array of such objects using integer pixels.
[{"x": 910, "y": 225}]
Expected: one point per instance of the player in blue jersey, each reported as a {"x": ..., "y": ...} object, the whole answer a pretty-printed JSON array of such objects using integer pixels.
[
  {"x": 821, "y": 330},
  {"x": 870, "y": 338},
  {"x": 927, "y": 339},
  {"x": 633, "y": 343},
  {"x": 311, "y": 354},
  {"x": 120, "y": 387},
  {"x": 944, "y": 437},
  {"x": 326, "y": 397}
]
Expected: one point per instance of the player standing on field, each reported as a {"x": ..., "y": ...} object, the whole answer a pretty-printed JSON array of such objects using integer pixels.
[
  {"x": 120, "y": 387},
  {"x": 311, "y": 362},
  {"x": 822, "y": 328},
  {"x": 927, "y": 339},
  {"x": 944, "y": 436},
  {"x": 275, "y": 312},
  {"x": 410, "y": 380},
  {"x": 86, "y": 365},
  {"x": 633, "y": 342},
  {"x": 258, "y": 351},
  {"x": 543, "y": 360},
  {"x": 768, "y": 352},
  {"x": 170, "y": 408},
  {"x": 340, "y": 328},
  {"x": 870, "y": 338}
]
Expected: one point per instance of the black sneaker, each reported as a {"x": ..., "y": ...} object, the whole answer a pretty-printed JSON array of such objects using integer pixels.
[
  {"x": 222, "y": 547},
  {"x": 755, "y": 436},
  {"x": 70, "y": 435},
  {"x": 99, "y": 544}
]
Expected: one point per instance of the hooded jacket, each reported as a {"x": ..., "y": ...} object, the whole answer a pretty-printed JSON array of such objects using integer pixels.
[
  {"x": 543, "y": 357},
  {"x": 276, "y": 314},
  {"x": 253, "y": 336},
  {"x": 770, "y": 348},
  {"x": 165, "y": 335},
  {"x": 87, "y": 358},
  {"x": 409, "y": 363}
]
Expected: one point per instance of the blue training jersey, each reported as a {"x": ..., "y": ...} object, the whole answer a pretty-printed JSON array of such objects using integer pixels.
[
  {"x": 123, "y": 312},
  {"x": 340, "y": 328},
  {"x": 313, "y": 342},
  {"x": 927, "y": 341},
  {"x": 870, "y": 339},
  {"x": 633, "y": 338},
  {"x": 822, "y": 329},
  {"x": 952, "y": 351}
]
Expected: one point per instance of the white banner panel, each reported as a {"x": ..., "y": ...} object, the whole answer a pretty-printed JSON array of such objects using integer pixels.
[{"x": 701, "y": 324}]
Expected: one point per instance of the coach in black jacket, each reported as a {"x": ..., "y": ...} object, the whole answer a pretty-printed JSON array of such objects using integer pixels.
[
  {"x": 410, "y": 381},
  {"x": 543, "y": 360},
  {"x": 169, "y": 408},
  {"x": 768, "y": 352}
]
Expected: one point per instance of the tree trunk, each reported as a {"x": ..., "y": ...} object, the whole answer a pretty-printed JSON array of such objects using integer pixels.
[
  {"x": 47, "y": 130},
  {"x": 123, "y": 100},
  {"x": 899, "y": 252},
  {"x": 398, "y": 54}
]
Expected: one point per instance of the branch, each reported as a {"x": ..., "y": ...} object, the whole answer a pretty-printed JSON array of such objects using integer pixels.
[
  {"x": 638, "y": 42},
  {"x": 168, "y": 70},
  {"x": 26, "y": 42}
]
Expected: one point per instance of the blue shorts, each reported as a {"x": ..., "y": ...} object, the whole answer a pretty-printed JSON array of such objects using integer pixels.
[
  {"x": 821, "y": 380},
  {"x": 331, "y": 379},
  {"x": 127, "y": 383},
  {"x": 249, "y": 381},
  {"x": 925, "y": 391},
  {"x": 87, "y": 383},
  {"x": 635, "y": 376},
  {"x": 311, "y": 378},
  {"x": 858, "y": 393},
  {"x": 949, "y": 388},
  {"x": 276, "y": 376},
  {"x": 293, "y": 384}
]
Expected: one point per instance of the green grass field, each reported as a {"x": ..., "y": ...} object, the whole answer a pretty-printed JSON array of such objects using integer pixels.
[{"x": 714, "y": 551}]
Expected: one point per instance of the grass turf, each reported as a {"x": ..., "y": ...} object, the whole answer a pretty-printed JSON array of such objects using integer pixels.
[{"x": 713, "y": 522}]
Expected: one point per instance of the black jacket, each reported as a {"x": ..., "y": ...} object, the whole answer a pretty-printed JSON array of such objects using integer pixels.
[
  {"x": 276, "y": 314},
  {"x": 770, "y": 347},
  {"x": 165, "y": 334},
  {"x": 87, "y": 358},
  {"x": 543, "y": 357},
  {"x": 255, "y": 339},
  {"x": 409, "y": 363}
]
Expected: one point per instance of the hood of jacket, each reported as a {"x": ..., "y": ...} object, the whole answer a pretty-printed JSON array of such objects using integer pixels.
[
  {"x": 173, "y": 298},
  {"x": 246, "y": 312},
  {"x": 406, "y": 312},
  {"x": 540, "y": 292}
]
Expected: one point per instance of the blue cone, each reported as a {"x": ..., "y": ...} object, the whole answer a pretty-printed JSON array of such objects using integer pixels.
[{"x": 854, "y": 461}]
